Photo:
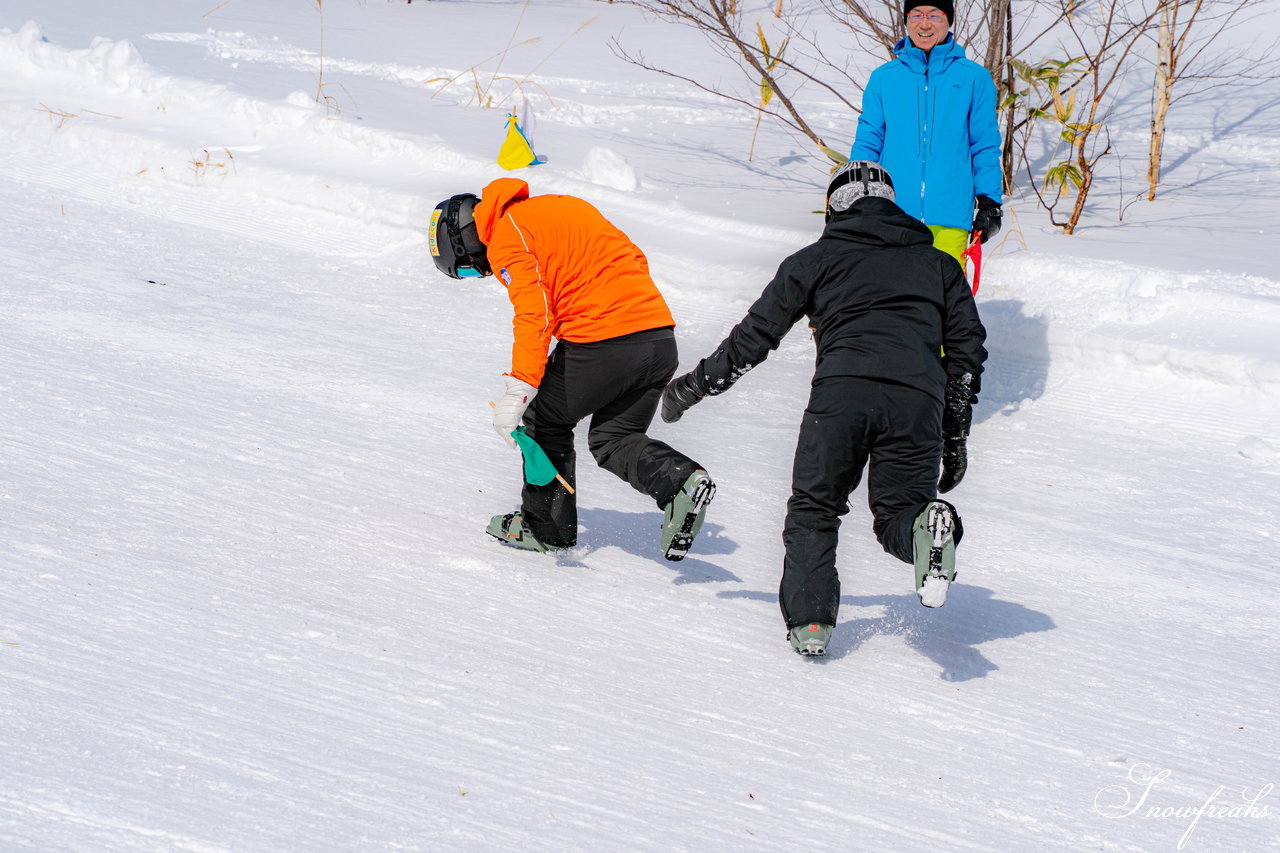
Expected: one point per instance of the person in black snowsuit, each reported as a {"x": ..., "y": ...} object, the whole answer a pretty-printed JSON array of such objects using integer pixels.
[{"x": 885, "y": 306}]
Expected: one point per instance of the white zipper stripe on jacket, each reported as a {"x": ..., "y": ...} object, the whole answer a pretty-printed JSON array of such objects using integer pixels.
[
  {"x": 546, "y": 307},
  {"x": 924, "y": 133}
]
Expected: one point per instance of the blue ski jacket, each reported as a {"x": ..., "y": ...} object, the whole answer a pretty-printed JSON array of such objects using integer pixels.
[{"x": 930, "y": 120}]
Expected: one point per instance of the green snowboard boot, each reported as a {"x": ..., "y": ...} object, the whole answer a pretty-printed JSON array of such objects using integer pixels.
[
  {"x": 509, "y": 529},
  {"x": 810, "y": 639},
  {"x": 934, "y": 535},
  {"x": 682, "y": 518}
]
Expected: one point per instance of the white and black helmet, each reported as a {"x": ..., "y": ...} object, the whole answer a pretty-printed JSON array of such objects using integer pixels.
[
  {"x": 455, "y": 245},
  {"x": 857, "y": 179}
]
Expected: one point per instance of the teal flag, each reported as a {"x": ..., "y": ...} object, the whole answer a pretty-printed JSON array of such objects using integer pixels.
[{"x": 538, "y": 470}]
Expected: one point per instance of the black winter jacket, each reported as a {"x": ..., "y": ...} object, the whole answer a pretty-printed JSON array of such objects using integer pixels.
[{"x": 882, "y": 302}]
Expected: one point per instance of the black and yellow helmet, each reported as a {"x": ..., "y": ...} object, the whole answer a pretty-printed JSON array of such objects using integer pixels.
[{"x": 455, "y": 245}]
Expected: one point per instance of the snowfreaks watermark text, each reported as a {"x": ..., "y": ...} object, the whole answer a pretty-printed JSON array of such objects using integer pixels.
[{"x": 1136, "y": 800}]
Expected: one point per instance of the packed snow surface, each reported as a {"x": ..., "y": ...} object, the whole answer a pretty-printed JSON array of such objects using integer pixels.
[{"x": 248, "y": 602}]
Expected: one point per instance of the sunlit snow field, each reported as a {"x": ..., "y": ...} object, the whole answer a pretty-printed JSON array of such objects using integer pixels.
[{"x": 246, "y": 464}]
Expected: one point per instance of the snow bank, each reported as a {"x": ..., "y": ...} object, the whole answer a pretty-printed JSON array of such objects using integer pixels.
[
  {"x": 113, "y": 125},
  {"x": 1112, "y": 316}
]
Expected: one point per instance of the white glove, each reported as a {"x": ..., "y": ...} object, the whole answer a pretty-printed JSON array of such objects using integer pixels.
[{"x": 510, "y": 409}]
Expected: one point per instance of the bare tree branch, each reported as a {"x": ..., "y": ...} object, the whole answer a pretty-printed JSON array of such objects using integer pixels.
[{"x": 722, "y": 24}]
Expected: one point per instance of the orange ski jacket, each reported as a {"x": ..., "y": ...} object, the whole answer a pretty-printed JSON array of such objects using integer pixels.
[{"x": 569, "y": 272}]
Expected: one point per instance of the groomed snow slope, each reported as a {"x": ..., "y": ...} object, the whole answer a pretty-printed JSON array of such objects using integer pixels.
[{"x": 248, "y": 602}]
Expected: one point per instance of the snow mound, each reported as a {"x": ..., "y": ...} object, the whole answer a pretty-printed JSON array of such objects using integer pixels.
[
  {"x": 1257, "y": 449},
  {"x": 606, "y": 167}
]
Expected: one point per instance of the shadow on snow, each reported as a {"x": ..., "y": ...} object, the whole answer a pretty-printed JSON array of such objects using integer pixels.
[
  {"x": 949, "y": 636},
  {"x": 639, "y": 534}
]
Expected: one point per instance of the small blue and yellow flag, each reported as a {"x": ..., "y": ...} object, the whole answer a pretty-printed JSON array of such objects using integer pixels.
[{"x": 516, "y": 151}]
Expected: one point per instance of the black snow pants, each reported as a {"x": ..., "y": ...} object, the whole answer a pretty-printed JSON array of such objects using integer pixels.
[
  {"x": 618, "y": 383},
  {"x": 849, "y": 422}
]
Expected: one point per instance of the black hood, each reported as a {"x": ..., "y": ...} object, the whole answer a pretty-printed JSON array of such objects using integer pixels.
[
  {"x": 877, "y": 222},
  {"x": 882, "y": 301}
]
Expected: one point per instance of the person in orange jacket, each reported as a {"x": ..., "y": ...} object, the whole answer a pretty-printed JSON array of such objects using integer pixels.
[{"x": 574, "y": 277}]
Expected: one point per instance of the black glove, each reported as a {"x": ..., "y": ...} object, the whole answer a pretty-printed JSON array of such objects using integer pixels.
[
  {"x": 955, "y": 459},
  {"x": 986, "y": 222},
  {"x": 957, "y": 417},
  {"x": 957, "y": 407},
  {"x": 681, "y": 393}
]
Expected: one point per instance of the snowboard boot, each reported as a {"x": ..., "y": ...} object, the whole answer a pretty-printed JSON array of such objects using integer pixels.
[
  {"x": 810, "y": 639},
  {"x": 934, "y": 534},
  {"x": 682, "y": 518},
  {"x": 509, "y": 529}
]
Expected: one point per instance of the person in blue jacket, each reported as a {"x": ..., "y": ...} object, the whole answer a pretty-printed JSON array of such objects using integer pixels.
[{"x": 929, "y": 117}]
